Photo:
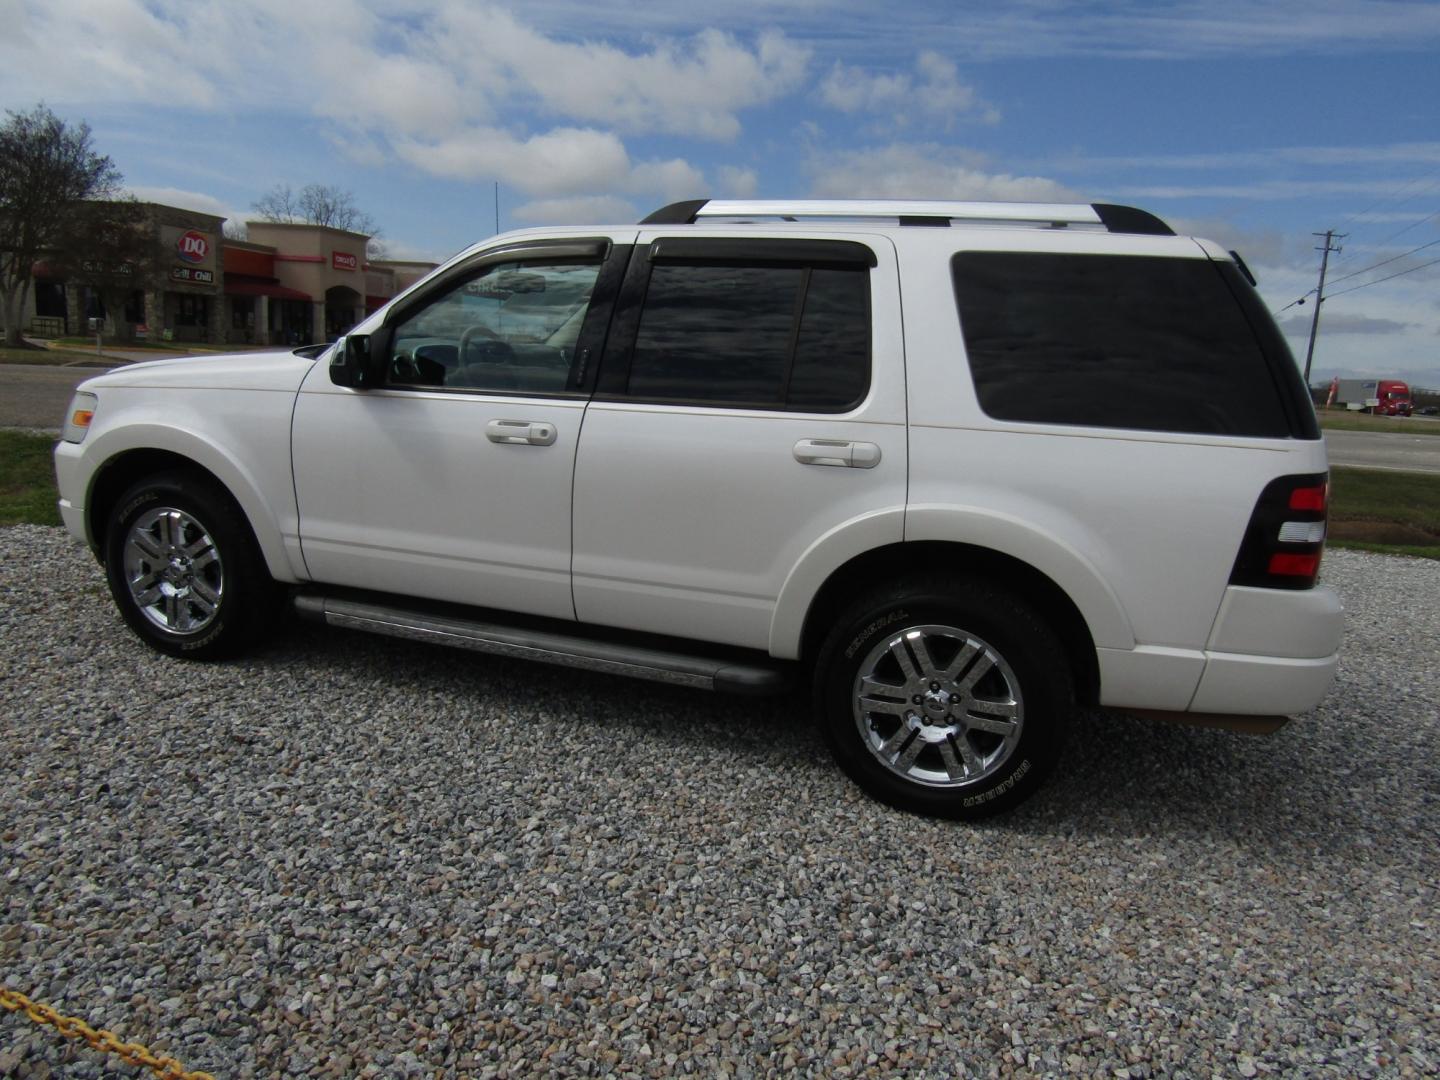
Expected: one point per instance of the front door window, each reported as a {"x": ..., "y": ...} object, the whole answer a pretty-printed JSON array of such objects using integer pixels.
[{"x": 511, "y": 329}]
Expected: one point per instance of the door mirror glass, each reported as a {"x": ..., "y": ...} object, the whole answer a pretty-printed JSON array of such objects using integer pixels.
[{"x": 350, "y": 363}]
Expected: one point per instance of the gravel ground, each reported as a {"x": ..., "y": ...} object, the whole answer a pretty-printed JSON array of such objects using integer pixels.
[{"x": 352, "y": 857}]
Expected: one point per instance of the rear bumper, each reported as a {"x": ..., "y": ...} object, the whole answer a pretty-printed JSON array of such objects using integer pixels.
[
  {"x": 1270, "y": 653},
  {"x": 1265, "y": 685}
]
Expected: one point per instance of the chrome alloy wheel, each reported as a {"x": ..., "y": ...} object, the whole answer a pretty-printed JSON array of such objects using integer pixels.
[
  {"x": 173, "y": 570},
  {"x": 938, "y": 706}
]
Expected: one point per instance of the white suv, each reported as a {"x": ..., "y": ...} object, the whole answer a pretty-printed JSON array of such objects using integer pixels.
[{"x": 963, "y": 466}]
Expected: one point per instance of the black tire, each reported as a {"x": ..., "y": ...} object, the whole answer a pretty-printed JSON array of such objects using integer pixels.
[
  {"x": 911, "y": 737},
  {"x": 178, "y": 540}
]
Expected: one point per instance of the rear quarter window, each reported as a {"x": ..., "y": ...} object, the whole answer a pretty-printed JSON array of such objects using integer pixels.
[{"x": 1123, "y": 341}]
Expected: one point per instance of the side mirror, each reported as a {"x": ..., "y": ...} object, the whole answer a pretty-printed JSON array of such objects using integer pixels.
[{"x": 356, "y": 360}]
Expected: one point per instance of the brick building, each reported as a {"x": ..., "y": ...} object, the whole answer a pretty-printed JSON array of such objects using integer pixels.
[{"x": 285, "y": 285}]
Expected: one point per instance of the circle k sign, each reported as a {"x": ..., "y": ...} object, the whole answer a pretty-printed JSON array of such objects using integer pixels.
[{"x": 193, "y": 246}]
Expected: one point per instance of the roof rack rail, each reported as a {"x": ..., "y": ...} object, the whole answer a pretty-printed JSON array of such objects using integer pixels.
[{"x": 1116, "y": 219}]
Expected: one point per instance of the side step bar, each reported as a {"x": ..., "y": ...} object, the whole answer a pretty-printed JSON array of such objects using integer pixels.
[{"x": 568, "y": 650}]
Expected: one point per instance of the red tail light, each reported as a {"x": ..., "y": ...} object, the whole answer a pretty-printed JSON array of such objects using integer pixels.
[{"x": 1286, "y": 535}]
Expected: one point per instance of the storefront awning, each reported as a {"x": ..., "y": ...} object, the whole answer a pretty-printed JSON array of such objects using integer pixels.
[{"x": 261, "y": 288}]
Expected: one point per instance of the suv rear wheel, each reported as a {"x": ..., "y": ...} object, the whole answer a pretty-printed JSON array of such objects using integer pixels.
[
  {"x": 185, "y": 570},
  {"x": 944, "y": 695}
]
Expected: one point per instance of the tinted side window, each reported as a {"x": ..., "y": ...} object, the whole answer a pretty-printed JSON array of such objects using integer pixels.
[
  {"x": 512, "y": 328},
  {"x": 832, "y": 355},
  {"x": 1157, "y": 344},
  {"x": 757, "y": 336}
]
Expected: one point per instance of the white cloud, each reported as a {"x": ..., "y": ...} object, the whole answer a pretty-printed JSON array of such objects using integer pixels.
[
  {"x": 1406, "y": 153},
  {"x": 1034, "y": 28},
  {"x": 424, "y": 70},
  {"x": 738, "y": 183},
  {"x": 1259, "y": 247},
  {"x": 693, "y": 87},
  {"x": 562, "y": 162},
  {"x": 673, "y": 179},
  {"x": 579, "y": 210},
  {"x": 922, "y": 171},
  {"x": 1265, "y": 190},
  {"x": 933, "y": 90},
  {"x": 187, "y": 200}
]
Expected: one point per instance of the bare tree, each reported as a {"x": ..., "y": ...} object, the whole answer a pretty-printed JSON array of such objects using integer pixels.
[
  {"x": 325, "y": 204},
  {"x": 278, "y": 204},
  {"x": 318, "y": 204},
  {"x": 47, "y": 170}
]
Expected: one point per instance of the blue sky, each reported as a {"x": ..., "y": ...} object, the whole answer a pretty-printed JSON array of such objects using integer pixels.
[{"x": 1255, "y": 124}]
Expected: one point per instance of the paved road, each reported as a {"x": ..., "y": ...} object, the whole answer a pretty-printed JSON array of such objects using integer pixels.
[
  {"x": 35, "y": 397},
  {"x": 1375, "y": 450}
]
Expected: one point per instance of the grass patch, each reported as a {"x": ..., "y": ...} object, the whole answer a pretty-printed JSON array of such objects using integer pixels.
[
  {"x": 1394, "y": 513},
  {"x": 1343, "y": 420},
  {"x": 27, "y": 480}
]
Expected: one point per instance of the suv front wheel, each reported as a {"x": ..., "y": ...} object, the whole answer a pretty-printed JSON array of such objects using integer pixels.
[
  {"x": 944, "y": 695},
  {"x": 185, "y": 570}
]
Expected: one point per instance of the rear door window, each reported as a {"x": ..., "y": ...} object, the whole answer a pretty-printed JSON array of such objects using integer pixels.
[
  {"x": 785, "y": 327},
  {"x": 1159, "y": 344}
]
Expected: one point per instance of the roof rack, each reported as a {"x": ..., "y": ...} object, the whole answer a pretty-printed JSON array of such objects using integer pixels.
[{"x": 917, "y": 212}]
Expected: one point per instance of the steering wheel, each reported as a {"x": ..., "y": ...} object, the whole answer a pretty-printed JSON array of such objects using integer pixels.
[{"x": 492, "y": 347}]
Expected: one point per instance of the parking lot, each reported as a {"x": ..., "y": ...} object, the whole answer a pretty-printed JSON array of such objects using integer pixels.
[{"x": 349, "y": 856}]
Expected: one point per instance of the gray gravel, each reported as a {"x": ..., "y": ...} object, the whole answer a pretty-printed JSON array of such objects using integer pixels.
[{"x": 352, "y": 857}]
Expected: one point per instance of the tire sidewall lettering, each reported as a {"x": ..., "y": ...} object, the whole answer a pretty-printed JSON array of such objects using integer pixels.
[{"x": 863, "y": 638}]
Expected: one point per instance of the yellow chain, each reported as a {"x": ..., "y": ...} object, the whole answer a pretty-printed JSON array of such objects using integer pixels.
[{"x": 72, "y": 1027}]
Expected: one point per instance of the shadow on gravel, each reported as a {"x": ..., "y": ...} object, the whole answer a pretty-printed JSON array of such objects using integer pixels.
[
  {"x": 1119, "y": 777},
  {"x": 634, "y": 708}
]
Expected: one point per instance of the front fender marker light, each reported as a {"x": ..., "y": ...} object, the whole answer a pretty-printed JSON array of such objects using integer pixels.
[{"x": 79, "y": 416}]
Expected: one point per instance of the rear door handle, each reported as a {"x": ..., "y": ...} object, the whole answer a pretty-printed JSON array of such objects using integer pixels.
[
  {"x": 849, "y": 455},
  {"x": 520, "y": 432}
]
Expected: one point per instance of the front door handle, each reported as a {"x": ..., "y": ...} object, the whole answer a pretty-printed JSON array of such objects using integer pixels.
[
  {"x": 849, "y": 455},
  {"x": 520, "y": 432}
]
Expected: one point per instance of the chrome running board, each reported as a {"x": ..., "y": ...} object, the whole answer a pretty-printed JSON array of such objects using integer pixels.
[{"x": 548, "y": 647}]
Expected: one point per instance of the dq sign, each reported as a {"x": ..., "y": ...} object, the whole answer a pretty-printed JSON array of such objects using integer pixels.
[{"x": 193, "y": 247}]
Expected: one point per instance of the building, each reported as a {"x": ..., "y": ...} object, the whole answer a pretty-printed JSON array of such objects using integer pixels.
[{"x": 284, "y": 285}]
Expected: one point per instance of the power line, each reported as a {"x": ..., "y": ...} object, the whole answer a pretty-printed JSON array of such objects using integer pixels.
[
  {"x": 1412, "y": 225},
  {"x": 1382, "y": 262},
  {"x": 1393, "y": 196},
  {"x": 1377, "y": 281},
  {"x": 1366, "y": 270},
  {"x": 1292, "y": 303}
]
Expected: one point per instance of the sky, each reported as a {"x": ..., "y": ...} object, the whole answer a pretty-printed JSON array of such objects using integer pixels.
[{"x": 1255, "y": 124}]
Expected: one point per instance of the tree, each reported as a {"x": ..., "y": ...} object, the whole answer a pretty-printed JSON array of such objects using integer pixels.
[
  {"x": 47, "y": 169},
  {"x": 114, "y": 248},
  {"x": 317, "y": 204}
]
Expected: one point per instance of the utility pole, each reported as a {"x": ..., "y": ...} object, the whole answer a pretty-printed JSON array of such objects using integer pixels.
[{"x": 1329, "y": 235}]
